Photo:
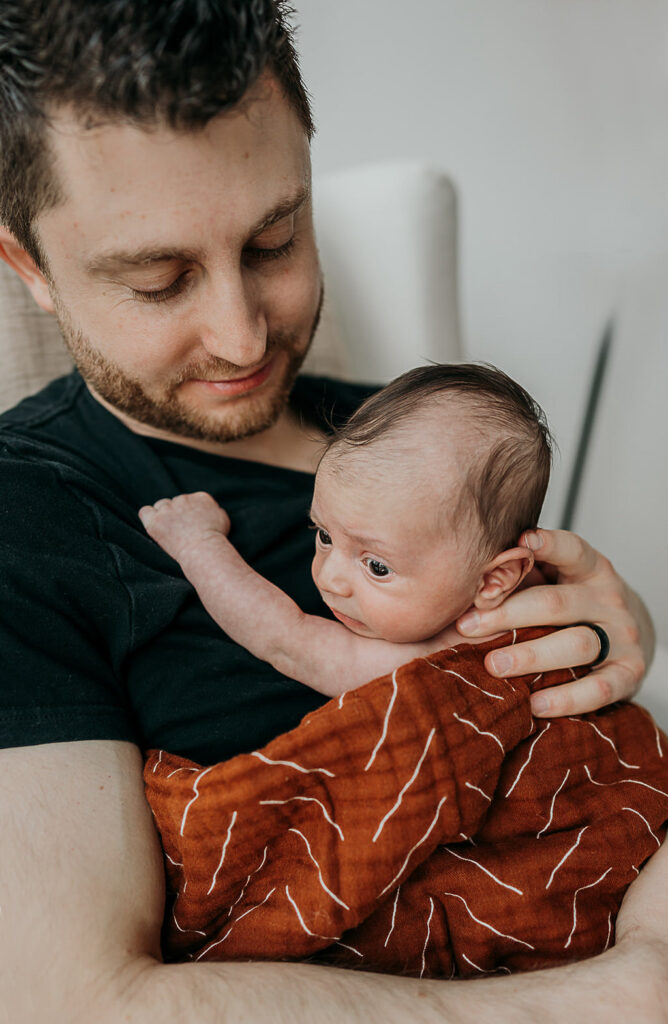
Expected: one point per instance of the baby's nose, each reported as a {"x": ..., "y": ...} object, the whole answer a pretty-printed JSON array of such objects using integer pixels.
[{"x": 331, "y": 577}]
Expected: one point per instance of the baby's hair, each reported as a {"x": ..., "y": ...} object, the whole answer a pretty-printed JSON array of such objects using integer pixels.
[{"x": 506, "y": 483}]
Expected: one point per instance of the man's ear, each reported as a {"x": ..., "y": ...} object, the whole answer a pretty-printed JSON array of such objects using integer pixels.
[
  {"x": 501, "y": 576},
  {"x": 24, "y": 265}
]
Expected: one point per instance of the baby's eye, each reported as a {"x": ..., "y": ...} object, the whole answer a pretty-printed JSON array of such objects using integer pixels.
[
  {"x": 377, "y": 568},
  {"x": 324, "y": 537}
]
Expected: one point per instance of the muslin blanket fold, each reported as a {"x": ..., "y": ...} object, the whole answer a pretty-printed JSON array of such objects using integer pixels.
[{"x": 424, "y": 824}]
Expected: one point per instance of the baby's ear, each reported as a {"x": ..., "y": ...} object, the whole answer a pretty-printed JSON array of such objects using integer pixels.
[{"x": 501, "y": 576}]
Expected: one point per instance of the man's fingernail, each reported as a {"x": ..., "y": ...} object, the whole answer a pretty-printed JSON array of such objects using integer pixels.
[
  {"x": 533, "y": 540},
  {"x": 469, "y": 622},
  {"x": 501, "y": 662},
  {"x": 539, "y": 703}
]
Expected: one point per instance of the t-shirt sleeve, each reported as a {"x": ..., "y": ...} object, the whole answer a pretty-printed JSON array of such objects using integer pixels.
[{"x": 63, "y": 613}]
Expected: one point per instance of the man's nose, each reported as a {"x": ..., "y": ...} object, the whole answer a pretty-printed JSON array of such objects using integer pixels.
[
  {"x": 332, "y": 576},
  {"x": 233, "y": 325}
]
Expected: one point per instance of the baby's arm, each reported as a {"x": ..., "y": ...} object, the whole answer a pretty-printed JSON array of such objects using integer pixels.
[{"x": 324, "y": 655}]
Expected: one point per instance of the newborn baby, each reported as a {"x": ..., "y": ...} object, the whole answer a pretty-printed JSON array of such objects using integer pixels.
[
  {"x": 417, "y": 507},
  {"x": 421, "y": 824}
]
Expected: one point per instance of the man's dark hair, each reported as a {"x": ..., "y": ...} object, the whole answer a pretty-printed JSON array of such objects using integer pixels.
[
  {"x": 177, "y": 62},
  {"x": 505, "y": 486}
]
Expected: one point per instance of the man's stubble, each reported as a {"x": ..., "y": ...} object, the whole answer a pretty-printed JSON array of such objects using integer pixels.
[{"x": 167, "y": 411}]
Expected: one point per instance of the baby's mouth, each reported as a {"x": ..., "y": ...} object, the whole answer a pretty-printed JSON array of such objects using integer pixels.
[{"x": 346, "y": 620}]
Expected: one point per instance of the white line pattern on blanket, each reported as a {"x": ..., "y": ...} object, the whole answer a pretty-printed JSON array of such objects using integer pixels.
[
  {"x": 405, "y": 788},
  {"x": 575, "y": 896},
  {"x": 223, "y": 852},
  {"x": 306, "y": 799},
  {"x": 567, "y": 855},
  {"x": 385, "y": 722},
  {"x": 549, "y": 820},
  {"x": 519, "y": 774},
  {"x": 485, "y": 924}
]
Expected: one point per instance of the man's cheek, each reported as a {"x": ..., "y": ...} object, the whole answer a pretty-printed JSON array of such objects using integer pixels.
[{"x": 295, "y": 295}]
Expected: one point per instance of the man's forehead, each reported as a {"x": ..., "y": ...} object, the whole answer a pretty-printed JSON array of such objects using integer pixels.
[{"x": 142, "y": 193}]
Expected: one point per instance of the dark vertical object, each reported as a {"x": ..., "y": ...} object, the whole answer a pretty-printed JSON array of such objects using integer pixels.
[{"x": 598, "y": 378}]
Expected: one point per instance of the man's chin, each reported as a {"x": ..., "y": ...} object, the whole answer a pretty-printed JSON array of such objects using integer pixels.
[
  {"x": 192, "y": 409},
  {"x": 181, "y": 409},
  {"x": 199, "y": 414}
]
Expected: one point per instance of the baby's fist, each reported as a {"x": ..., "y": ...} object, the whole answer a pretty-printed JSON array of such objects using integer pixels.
[{"x": 181, "y": 524}]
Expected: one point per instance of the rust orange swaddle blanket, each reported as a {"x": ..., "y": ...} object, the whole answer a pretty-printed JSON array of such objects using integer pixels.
[{"x": 423, "y": 824}]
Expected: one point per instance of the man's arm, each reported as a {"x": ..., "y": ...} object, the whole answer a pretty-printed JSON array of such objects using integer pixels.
[
  {"x": 82, "y": 893},
  {"x": 584, "y": 588}
]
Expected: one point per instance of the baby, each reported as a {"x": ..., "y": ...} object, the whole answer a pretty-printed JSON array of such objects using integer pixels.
[
  {"x": 418, "y": 502},
  {"x": 426, "y": 772}
]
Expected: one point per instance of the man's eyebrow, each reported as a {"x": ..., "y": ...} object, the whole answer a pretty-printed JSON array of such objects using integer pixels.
[
  {"x": 117, "y": 259},
  {"x": 121, "y": 258},
  {"x": 283, "y": 209}
]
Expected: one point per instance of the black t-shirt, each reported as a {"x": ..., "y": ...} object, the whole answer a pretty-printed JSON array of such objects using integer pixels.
[{"x": 101, "y": 637}]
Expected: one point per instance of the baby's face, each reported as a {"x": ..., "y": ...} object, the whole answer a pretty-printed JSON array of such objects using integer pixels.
[{"x": 386, "y": 563}]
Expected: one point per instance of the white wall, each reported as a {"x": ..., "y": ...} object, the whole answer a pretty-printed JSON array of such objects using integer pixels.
[{"x": 551, "y": 116}]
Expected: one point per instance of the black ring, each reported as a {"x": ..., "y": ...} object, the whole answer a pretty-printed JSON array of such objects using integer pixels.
[{"x": 603, "y": 639}]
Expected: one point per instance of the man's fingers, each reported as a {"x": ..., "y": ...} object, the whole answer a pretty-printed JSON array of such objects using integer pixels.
[
  {"x": 536, "y": 606},
  {"x": 575, "y": 646},
  {"x": 594, "y": 691},
  {"x": 569, "y": 554}
]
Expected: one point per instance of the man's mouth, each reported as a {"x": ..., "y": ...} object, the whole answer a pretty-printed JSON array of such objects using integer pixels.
[{"x": 238, "y": 385}]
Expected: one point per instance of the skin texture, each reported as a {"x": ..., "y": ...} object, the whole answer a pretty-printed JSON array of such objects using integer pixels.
[{"x": 80, "y": 866}]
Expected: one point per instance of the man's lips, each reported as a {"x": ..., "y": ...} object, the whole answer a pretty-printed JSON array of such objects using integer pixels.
[{"x": 238, "y": 385}]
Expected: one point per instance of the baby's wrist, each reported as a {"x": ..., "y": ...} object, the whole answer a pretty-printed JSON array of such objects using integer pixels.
[{"x": 203, "y": 551}]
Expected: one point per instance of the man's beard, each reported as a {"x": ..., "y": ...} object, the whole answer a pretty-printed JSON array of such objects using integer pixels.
[{"x": 168, "y": 412}]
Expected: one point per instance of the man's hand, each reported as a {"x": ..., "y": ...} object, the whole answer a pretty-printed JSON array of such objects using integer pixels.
[
  {"x": 584, "y": 588},
  {"x": 182, "y": 525}
]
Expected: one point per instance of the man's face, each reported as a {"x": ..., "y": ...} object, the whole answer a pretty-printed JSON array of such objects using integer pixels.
[{"x": 183, "y": 266}]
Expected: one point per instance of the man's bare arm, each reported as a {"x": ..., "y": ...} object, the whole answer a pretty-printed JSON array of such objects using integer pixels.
[{"x": 82, "y": 893}]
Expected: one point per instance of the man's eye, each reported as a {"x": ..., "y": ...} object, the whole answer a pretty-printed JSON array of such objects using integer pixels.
[
  {"x": 376, "y": 568},
  {"x": 259, "y": 255},
  {"x": 323, "y": 537},
  {"x": 162, "y": 294}
]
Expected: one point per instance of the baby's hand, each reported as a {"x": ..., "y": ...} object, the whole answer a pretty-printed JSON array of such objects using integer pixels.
[{"x": 183, "y": 524}]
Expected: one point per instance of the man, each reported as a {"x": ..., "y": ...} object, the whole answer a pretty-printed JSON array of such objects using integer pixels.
[{"x": 155, "y": 195}]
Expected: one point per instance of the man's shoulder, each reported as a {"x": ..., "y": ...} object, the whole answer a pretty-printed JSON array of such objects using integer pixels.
[
  {"x": 33, "y": 432},
  {"x": 48, "y": 405},
  {"x": 62, "y": 433}
]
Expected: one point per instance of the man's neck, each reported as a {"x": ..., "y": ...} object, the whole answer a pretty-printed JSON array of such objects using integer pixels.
[{"x": 287, "y": 443}]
